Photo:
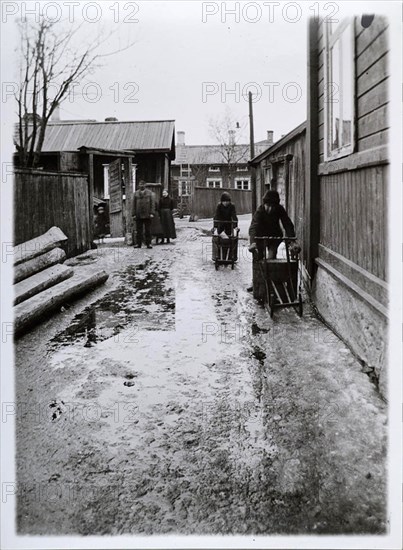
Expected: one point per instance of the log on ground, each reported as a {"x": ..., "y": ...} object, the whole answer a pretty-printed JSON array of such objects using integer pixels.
[
  {"x": 35, "y": 308},
  {"x": 41, "y": 281},
  {"x": 30, "y": 249},
  {"x": 26, "y": 269}
]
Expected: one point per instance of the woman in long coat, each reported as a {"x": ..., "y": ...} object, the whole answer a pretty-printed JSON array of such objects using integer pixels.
[
  {"x": 166, "y": 205},
  {"x": 156, "y": 227}
]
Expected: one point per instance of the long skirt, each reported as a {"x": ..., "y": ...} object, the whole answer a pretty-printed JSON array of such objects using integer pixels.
[{"x": 168, "y": 224}]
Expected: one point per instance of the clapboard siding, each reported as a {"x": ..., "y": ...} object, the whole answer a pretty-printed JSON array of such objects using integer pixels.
[
  {"x": 372, "y": 76},
  {"x": 372, "y": 86},
  {"x": 353, "y": 217},
  {"x": 372, "y": 54},
  {"x": 371, "y": 71},
  {"x": 374, "y": 122},
  {"x": 374, "y": 98},
  {"x": 375, "y": 140},
  {"x": 367, "y": 36},
  {"x": 45, "y": 199}
]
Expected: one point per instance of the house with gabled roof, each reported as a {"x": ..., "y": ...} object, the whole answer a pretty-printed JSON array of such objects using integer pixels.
[
  {"x": 114, "y": 155},
  {"x": 213, "y": 167}
]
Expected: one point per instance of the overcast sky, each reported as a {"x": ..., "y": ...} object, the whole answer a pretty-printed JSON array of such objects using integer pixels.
[{"x": 184, "y": 68}]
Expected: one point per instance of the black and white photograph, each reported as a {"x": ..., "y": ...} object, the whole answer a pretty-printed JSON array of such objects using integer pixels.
[{"x": 201, "y": 308}]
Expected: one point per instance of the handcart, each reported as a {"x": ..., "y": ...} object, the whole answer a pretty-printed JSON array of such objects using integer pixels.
[
  {"x": 275, "y": 281},
  {"x": 225, "y": 249}
]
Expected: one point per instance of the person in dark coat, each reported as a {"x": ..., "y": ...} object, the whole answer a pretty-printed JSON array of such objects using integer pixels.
[
  {"x": 266, "y": 223},
  {"x": 101, "y": 223},
  {"x": 156, "y": 227},
  {"x": 225, "y": 212},
  {"x": 165, "y": 207},
  {"x": 143, "y": 212}
]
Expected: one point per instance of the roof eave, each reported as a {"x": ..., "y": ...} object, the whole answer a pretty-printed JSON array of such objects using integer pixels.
[{"x": 291, "y": 135}]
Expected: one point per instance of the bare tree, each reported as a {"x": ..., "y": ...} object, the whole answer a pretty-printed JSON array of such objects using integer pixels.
[
  {"x": 49, "y": 66},
  {"x": 227, "y": 133},
  {"x": 200, "y": 166}
]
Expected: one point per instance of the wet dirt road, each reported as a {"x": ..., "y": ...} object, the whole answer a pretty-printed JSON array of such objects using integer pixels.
[{"x": 170, "y": 402}]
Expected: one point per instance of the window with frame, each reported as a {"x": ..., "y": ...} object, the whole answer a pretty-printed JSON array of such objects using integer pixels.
[
  {"x": 241, "y": 168},
  {"x": 214, "y": 184},
  {"x": 185, "y": 188},
  {"x": 214, "y": 169},
  {"x": 243, "y": 184},
  {"x": 339, "y": 89}
]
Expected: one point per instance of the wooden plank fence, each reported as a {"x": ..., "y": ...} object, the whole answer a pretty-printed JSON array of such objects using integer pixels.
[
  {"x": 45, "y": 199},
  {"x": 205, "y": 200}
]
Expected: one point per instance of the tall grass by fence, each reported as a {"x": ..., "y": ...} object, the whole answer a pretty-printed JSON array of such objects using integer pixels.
[
  {"x": 205, "y": 200},
  {"x": 44, "y": 199}
]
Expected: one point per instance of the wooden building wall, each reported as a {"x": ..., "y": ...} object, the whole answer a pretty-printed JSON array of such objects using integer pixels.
[
  {"x": 44, "y": 199},
  {"x": 152, "y": 167},
  {"x": 289, "y": 179},
  {"x": 70, "y": 162},
  {"x": 371, "y": 85},
  {"x": 346, "y": 200},
  {"x": 353, "y": 189}
]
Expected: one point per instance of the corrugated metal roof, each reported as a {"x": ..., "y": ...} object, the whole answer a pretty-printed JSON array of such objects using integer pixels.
[
  {"x": 212, "y": 154},
  {"x": 156, "y": 135}
]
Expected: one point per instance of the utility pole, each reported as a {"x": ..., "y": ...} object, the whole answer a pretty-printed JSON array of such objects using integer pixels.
[{"x": 252, "y": 154}]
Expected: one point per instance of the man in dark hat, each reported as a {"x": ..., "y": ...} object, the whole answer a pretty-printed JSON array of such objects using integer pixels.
[
  {"x": 266, "y": 223},
  {"x": 143, "y": 212},
  {"x": 225, "y": 212}
]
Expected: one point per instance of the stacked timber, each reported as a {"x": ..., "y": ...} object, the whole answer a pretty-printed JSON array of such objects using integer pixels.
[{"x": 42, "y": 283}]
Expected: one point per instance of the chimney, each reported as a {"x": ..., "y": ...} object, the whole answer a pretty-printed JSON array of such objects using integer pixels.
[
  {"x": 111, "y": 119},
  {"x": 270, "y": 137},
  {"x": 180, "y": 138},
  {"x": 56, "y": 114}
]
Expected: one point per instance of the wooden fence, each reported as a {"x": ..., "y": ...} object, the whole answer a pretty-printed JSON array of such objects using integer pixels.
[
  {"x": 44, "y": 199},
  {"x": 205, "y": 200}
]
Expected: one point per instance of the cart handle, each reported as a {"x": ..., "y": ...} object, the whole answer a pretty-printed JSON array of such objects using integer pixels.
[
  {"x": 219, "y": 221},
  {"x": 285, "y": 239}
]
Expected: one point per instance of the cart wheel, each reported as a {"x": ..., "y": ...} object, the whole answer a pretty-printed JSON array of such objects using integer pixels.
[
  {"x": 300, "y": 305},
  {"x": 216, "y": 265},
  {"x": 232, "y": 265}
]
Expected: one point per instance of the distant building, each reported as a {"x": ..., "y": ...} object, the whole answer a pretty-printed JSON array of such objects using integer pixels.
[
  {"x": 114, "y": 155},
  {"x": 212, "y": 167}
]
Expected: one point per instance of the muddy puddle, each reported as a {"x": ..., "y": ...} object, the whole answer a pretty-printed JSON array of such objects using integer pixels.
[{"x": 143, "y": 300}]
